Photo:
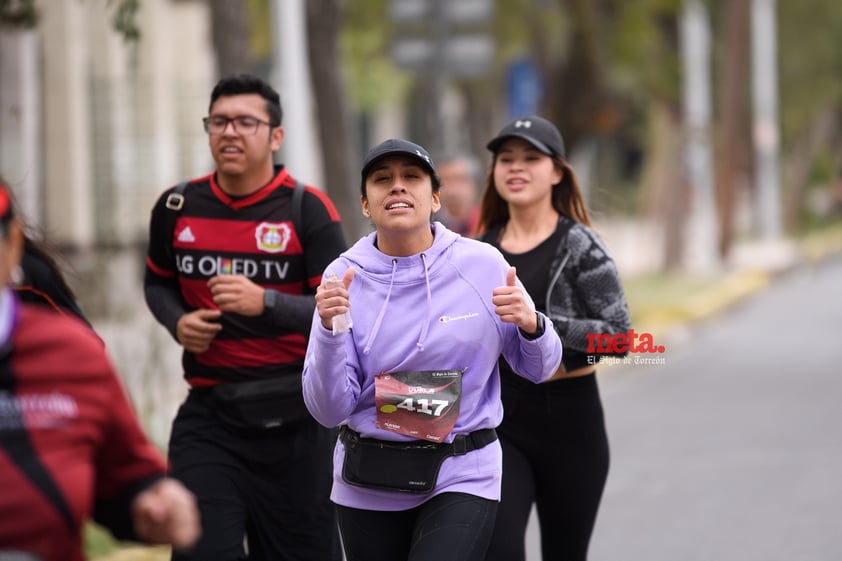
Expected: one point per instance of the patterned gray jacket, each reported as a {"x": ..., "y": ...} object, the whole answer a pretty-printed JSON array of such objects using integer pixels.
[{"x": 585, "y": 295}]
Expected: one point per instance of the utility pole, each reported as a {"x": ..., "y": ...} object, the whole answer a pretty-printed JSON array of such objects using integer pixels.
[
  {"x": 291, "y": 72},
  {"x": 764, "y": 78},
  {"x": 701, "y": 254},
  {"x": 438, "y": 77}
]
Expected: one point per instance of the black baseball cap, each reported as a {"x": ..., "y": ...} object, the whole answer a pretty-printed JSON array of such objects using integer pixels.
[
  {"x": 398, "y": 146},
  {"x": 538, "y": 131}
]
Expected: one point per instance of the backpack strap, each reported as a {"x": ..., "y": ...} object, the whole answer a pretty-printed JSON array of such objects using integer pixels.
[
  {"x": 175, "y": 202},
  {"x": 15, "y": 440},
  {"x": 297, "y": 198}
]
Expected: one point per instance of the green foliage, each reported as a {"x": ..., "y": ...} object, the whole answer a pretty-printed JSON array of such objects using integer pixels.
[
  {"x": 810, "y": 72},
  {"x": 98, "y": 541},
  {"x": 519, "y": 24},
  {"x": 18, "y": 13},
  {"x": 644, "y": 49},
  {"x": 125, "y": 19},
  {"x": 260, "y": 36},
  {"x": 23, "y": 14},
  {"x": 371, "y": 77}
]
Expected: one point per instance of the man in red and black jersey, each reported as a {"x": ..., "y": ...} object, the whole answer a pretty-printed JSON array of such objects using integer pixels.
[{"x": 234, "y": 283}]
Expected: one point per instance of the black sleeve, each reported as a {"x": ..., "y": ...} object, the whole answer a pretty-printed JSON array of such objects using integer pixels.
[
  {"x": 289, "y": 311},
  {"x": 322, "y": 240},
  {"x": 323, "y": 236},
  {"x": 164, "y": 301},
  {"x": 160, "y": 280}
]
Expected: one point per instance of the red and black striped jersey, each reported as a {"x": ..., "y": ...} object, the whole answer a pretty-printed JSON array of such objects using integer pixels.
[
  {"x": 70, "y": 444},
  {"x": 254, "y": 236}
]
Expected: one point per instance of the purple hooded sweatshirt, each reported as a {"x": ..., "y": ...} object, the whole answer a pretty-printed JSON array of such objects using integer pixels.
[{"x": 429, "y": 311}]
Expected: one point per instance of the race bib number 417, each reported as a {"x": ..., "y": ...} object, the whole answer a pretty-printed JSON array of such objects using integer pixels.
[{"x": 422, "y": 404}]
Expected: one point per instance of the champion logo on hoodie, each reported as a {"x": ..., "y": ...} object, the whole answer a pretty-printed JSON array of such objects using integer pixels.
[{"x": 448, "y": 319}]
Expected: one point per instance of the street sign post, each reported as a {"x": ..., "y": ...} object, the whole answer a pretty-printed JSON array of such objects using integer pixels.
[
  {"x": 441, "y": 40},
  {"x": 463, "y": 56}
]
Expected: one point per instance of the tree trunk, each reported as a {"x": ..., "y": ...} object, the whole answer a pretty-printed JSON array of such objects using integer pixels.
[
  {"x": 733, "y": 127},
  {"x": 666, "y": 192},
  {"x": 818, "y": 136},
  {"x": 324, "y": 19},
  {"x": 230, "y": 35},
  {"x": 577, "y": 97}
]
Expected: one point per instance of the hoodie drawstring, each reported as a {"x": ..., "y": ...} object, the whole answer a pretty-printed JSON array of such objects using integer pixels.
[
  {"x": 382, "y": 311},
  {"x": 425, "y": 323}
]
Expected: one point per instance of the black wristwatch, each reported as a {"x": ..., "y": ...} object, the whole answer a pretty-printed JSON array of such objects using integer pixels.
[
  {"x": 270, "y": 300},
  {"x": 538, "y": 333}
]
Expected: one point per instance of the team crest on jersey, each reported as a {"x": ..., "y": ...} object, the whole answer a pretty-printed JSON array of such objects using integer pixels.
[{"x": 273, "y": 237}]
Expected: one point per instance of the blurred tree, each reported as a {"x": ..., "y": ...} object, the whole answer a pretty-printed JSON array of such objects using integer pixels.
[
  {"x": 18, "y": 13},
  {"x": 664, "y": 189},
  {"x": 24, "y": 14},
  {"x": 324, "y": 24},
  {"x": 733, "y": 127},
  {"x": 230, "y": 33},
  {"x": 810, "y": 78}
]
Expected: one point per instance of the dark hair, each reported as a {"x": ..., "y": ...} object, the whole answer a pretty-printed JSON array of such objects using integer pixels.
[
  {"x": 31, "y": 243},
  {"x": 239, "y": 84},
  {"x": 46, "y": 253},
  {"x": 567, "y": 199}
]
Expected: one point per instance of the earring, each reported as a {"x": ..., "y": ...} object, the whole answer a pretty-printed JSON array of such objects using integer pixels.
[{"x": 16, "y": 276}]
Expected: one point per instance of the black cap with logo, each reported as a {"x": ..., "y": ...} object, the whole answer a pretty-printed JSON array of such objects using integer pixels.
[
  {"x": 398, "y": 146},
  {"x": 538, "y": 131}
]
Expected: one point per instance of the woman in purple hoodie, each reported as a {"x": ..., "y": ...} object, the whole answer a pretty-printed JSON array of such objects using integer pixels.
[{"x": 408, "y": 327}]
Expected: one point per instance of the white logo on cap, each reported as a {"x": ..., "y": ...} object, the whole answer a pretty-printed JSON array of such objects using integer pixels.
[
  {"x": 526, "y": 124},
  {"x": 426, "y": 157}
]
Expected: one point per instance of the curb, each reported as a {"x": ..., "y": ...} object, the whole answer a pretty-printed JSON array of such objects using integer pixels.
[{"x": 672, "y": 323}]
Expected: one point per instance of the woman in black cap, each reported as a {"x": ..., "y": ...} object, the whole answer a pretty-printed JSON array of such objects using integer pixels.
[
  {"x": 555, "y": 446},
  {"x": 411, "y": 374}
]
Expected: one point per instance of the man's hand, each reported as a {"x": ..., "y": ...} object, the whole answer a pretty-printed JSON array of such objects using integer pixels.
[
  {"x": 195, "y": 330},
  {"x": 166, "y": 513},
  {"x": 236, "y": 293},
  {"x": 511, "y": 306},
  {"x": 332, "y": 298}
]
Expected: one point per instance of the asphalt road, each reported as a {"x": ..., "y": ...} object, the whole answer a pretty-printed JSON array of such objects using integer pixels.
[{"x": 732, "y": 449}]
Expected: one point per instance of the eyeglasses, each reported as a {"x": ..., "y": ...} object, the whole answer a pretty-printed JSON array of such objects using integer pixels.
[{"x": 245, "y": 125}]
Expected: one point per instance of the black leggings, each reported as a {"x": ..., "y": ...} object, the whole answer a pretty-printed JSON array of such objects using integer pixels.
[
  {"x": 448, "y": 527},
  {"x": 273, "y": 486},
  {"x": 555, "y": 455}
]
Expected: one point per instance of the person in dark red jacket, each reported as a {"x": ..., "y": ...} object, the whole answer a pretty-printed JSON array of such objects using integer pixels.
[{"x": 70, "y": 445}]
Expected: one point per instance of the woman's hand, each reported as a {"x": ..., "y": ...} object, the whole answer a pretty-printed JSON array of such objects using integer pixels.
[
  {"x": 512, "y": 307},
  {"x": 332, "y": 297}
]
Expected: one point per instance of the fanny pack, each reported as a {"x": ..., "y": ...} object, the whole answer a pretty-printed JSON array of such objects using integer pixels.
[
  {"x": 408, "y": 467},
  {"x": 261, "y": 404}
]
